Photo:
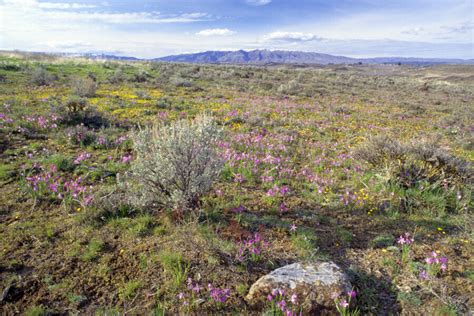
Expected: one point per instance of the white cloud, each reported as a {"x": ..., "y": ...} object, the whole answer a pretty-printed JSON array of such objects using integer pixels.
[
  {"x": 465, "y": 27},
  {"x": 48, "y": 5},
  {"x": 215, "y": 32},
  {"x": 58, "y": 5},
  {"x": 127, "y": 17},
  {"x": 258, "y": 2},
  {"x": 72, "y": 26},
  {"x": 414, "y": 31},
  {"x": 30, "y": 12},
  {"x": 291, "y": 37},
  {"x": 68, "y": 45}
]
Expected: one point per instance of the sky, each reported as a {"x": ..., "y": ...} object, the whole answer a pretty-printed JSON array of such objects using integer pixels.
[{"x": 155, "y": 28}]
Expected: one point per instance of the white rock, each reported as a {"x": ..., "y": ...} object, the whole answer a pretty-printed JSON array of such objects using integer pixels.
[{"x": 315, "y": 284}]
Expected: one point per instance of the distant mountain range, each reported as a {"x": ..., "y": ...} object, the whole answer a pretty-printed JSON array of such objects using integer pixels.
[
  {"x": 295, "y": 57},
  {"x": 265, "y": 57}
]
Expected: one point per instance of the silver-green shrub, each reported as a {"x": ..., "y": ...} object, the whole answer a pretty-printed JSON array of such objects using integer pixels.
[
  {"x": 84, "y": 87},
  {"x": 175, "y": 164}
]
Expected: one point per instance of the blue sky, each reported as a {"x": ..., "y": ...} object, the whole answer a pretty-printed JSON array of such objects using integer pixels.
[{"x": 146, "y": 28}]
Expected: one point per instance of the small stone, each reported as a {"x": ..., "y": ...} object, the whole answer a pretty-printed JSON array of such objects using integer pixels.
[{"x": 314, "y": 283}]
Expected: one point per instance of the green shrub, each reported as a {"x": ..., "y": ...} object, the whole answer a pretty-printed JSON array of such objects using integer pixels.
[
  {"x": 76, "y": 111},
  {"x": 175, "y": 164},
  {"x": 75, "y": 104}
]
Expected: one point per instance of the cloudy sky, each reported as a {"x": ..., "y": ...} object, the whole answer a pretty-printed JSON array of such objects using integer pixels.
[{"x": 154, "y": 28}]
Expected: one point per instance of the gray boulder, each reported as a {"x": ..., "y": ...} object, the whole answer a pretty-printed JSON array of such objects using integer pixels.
[{"x": 314, "y": 283}]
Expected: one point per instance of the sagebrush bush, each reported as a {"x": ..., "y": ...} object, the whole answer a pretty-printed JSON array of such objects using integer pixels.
[
  {"x": 181, "y": 82},
  {"x": 141, "y": 76},
  {"x": 84, "y": 87},
  {"x": 419, "y": 177},
  {"x": 290, "y": 88},
  {"x": 117, "y": 77},
  {"x": 175, "y": 164},
  {"x": 41, "y": 77}
]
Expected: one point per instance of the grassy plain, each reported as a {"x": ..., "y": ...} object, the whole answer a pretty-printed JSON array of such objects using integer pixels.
[{"x": 292, "y": 134}]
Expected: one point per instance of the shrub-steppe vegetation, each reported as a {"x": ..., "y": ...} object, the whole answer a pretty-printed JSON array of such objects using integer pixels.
[{"x": 161, "y": 188}]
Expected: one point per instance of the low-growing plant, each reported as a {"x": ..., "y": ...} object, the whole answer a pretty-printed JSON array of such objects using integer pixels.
[
  {"x": 80, "y": 135},
  {"x": 93, "y": 249},
  {"x": 5, "y": 171},
  {"x": 343, "y": 303},
  {"x": 381, "y": 241},
  {"x": 36, "y": 311},
  {"x": 279, "y": 302},
  {"x": 62, "y": 162},
  {"x": 175, "y": 164},
  {"x": 110, "y": 203},
  {"x": 251, "y": 249},
  {"x": 174, "y": 266},
  {"x": 305, "y": 243},
  {"x": 405, "y": 241},
  {"x": 129, "y": 289},
  {"x": 48, "y": 184}
]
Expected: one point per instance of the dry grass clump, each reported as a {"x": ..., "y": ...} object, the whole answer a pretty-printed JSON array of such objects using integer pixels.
[{"x": 419, "y": 177}]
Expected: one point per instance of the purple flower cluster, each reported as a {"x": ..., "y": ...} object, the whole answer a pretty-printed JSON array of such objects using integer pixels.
[
  {"x": 193, "y": 286},
  {"x": 218, "y": 295},
  {"x": 239, "y": 210},
  {"x": 126, "y": 158},
  {"x": 343, "y": 301},
  {"x": 41, "y": 122},
  {"x": 104, "y": 142},
  {"x": 287, "y": 304},
  {"x": 51, "y": 184},
  {"x": 238, "y": 178},
  {"x": 251, "y": 249},
  {"x": 348, "y": 198},
  {"x": 81, "y": 157},
  {"x": 434, "y": 260},
  {"x": 26, "y": 123},
  {"x": 78, "y": 134},
  {"x": 4, "y": 119},
  {"x": 278, "y": 191},
  {"x": 405, "y": 239}
]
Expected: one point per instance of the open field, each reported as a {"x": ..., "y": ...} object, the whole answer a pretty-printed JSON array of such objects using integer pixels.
[{"x": 319, "y": 163}]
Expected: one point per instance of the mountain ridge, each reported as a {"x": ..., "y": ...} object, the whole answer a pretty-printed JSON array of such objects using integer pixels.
[
  {"x": 295, "y": 57},
  {"x": 261, "y": 57}
]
